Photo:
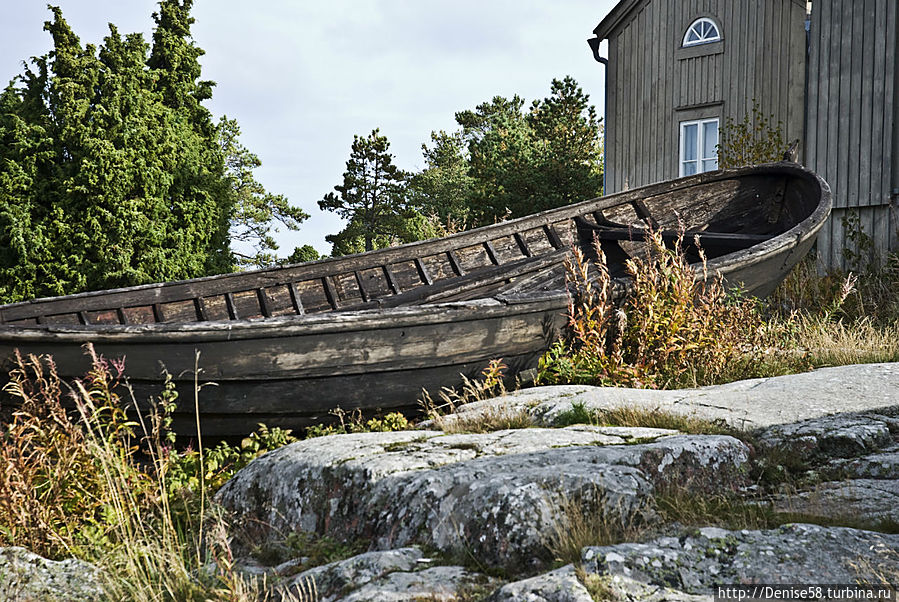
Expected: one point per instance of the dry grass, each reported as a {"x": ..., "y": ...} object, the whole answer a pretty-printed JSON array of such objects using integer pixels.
[
  {"x": 598, "y": 586},
  {"x": 590, "y": 520},
  {"x": 95, "y": 485},
  {"x": 634, "y": 416},
  {"x": 880, "y": 567},
  {"x": 837, "y": 319},
  {"x": 445, "y": 415},
  {"x": 839, "y": 343},
  {"x": 673, "y": 331},
  {"x": 725, "y": 510},
  {"x": 488, "y": 420}
]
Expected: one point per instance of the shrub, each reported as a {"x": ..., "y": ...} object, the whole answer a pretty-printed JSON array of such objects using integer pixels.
[
  {"x": 753, "y": 140},
  {"x": 673, "y": 330},
  {"x": 353, "y": 422}
]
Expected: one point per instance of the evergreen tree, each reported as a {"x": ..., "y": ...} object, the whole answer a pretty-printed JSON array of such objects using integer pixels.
[
  {"x": 443, "y": 190},
  {"x": 518, "y": 162},
  {"x": 503, "y": 160},
  {"x": 569, "y": 139},
  {"x": 111, "y": 171},
  {"x": 371, "y": 198},
  {"x": 302, "y": 255}
]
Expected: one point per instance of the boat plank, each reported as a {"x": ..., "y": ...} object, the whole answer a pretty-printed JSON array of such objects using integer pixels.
[
  {"x": 330, "y": 293},
  {"x": 423, "y": 272},
  {"x": 491, "y": 253},
  {"x": 362, "y": 291},
  {"x": 522, "y": 244},
  {"x": 199, "y": 308},
  {"x": 230, "y": 306},
  {"x": 262, "y": 299}
]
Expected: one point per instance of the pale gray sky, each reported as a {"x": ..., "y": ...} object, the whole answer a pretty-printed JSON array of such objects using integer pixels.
[{"x": 302, "y": 77}]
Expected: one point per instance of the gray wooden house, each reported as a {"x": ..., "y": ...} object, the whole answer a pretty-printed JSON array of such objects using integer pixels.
[{"x": 678, "y": 69}]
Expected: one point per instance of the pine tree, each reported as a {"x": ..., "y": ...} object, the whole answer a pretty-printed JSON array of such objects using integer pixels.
[
  {"x": 443, "y": 189},
  {"x": 371, "y": 198},
  {"x": 254, "y": 209},
  {"x": 519, "y": 162}
]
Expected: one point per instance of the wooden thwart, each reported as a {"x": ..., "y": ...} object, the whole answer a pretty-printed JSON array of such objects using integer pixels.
[{"x": 734, "y": 240}]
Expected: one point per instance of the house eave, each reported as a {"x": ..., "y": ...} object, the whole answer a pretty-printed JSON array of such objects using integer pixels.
[{"x": 615, "y": 17}]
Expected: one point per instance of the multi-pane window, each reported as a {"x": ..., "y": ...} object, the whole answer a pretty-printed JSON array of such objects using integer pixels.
[
  {"x": 702, "y": 31},
  {"x": 698, "y": 146}
]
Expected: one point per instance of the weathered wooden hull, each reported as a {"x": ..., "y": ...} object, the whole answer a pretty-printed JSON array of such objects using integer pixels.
[
  {"x": 291, "y": 373},
  {"x": 287, "y": 345}
]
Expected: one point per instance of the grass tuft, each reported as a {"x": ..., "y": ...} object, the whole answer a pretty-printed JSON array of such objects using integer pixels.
[
  {"x": 591, "y": 520},
  {"x": 82, "y": 479},
  {"x": 631, "y": 416},
  {"x": 444, "y": 412}
]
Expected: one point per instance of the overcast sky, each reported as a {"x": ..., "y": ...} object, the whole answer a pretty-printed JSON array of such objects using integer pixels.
[{"x": 302, "y": 77}]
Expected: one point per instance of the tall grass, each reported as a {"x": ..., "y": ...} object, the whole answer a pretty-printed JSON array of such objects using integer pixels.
[
  {"x": 80, "y": 478},
  {"x": 674, "y": 330},
  {"x": 841, "y": 318}
]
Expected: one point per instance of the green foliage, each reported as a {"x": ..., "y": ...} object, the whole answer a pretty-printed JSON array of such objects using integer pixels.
[
  {"x": 112, "y": 172},
  {"x": 352, "y": 422},
  {"x": 304, "y": 254},
  {"x": 444, "y": 188},
  {"x": 254, "y": 208},
  {"x": 672, "y": 331},
  {"x": 220, "y": 463},
  {"x": 527, "y": 162},
  {"x": 753, "y": 140},
  {"x": 371, "y": 198}
]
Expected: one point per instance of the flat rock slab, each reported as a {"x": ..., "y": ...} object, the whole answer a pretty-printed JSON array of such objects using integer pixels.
[
  {"x": 748, "y": 404},
  {"x": 563, "y": 585},
  {"x": 839, "y": 436},
  {"x": 392, "y": 576},
  {"x": 712, "y": 557},
  {"x": 496, "y": 496},
  {"x": 26, "y": 576},
  {"x": 864, "y": 500},
  {"x": 881, "y": 465}
]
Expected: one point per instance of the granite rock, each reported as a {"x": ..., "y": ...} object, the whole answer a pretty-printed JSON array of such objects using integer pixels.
[
  {"x": 497, "y": 496},
  {"x": 27, "y": 577}
]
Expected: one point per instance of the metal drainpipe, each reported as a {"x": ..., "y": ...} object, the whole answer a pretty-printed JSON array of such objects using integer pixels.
[{"x": 594, "y": 46}]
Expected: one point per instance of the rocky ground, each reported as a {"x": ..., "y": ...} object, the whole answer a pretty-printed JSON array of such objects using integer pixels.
[{"x": 805, "y": 491}]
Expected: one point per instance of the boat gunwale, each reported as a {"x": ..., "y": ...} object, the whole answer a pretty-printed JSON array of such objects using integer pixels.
[
  {"x": 289, "y": 326},
  {"x": 725, "y": 264}
]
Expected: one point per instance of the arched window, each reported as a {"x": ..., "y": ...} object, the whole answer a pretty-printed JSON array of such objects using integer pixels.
[{"x": 702, "y": 31}]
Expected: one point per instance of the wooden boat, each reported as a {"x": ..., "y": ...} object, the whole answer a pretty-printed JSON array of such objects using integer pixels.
[{"x": 286, "y": 345}]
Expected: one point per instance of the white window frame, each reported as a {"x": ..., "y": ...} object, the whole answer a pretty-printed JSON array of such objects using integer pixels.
[
  {"x": 707, "y": 39},
  {"x": 702, "y": 154}
]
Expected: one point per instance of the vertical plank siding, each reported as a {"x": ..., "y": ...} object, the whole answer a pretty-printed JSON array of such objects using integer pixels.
[
  {"x": 652, "y": 89},
  {"x": 834, "y": 89},
  {"x": 852, "y": 113}
]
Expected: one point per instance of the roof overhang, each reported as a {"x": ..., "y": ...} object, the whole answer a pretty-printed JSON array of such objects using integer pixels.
[{"x": 615, "y": 17}]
